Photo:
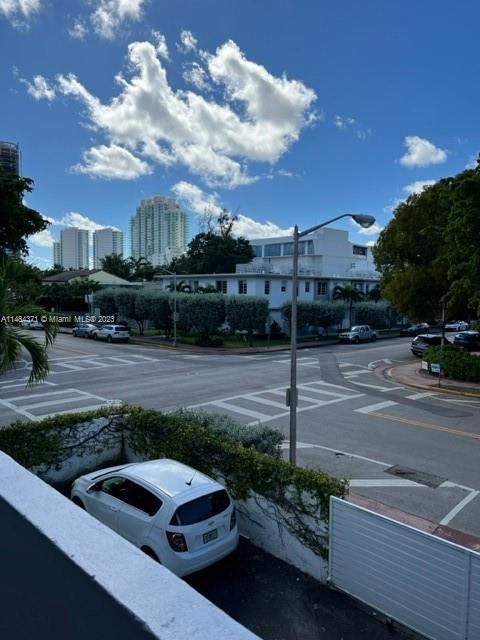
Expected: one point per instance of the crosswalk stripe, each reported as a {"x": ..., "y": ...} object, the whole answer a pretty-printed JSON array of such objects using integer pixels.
[
  {"x": 325, "y": 392},
  {"x": 143, "y": 357},
  {"x": 48, "y": 403},
  {"x": 376, "y": 407},
  {"x": 270, "y": 403},
  {"x": 418, "y": 396},
  {"x": 91, "y": 407},
  {"x": 245, "y": 412},
  {"x": 68, "y": 365},
  {"x": 315, "y": 401},
  {"x": 122, "y": 360},
  {"x": 16, "y": 409},
  {"x": 385, "y": 482}
]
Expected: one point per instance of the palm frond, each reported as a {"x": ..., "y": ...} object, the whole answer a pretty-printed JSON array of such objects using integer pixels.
[{"x": 13, "y": 338}]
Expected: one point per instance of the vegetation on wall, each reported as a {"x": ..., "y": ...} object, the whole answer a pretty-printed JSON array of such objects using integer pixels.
[{"x": 246, "y": 459}]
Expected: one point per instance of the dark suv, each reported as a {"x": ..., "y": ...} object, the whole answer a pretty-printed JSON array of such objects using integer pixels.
[
  {"x": 415, "y": 329},
  {"x": 468, "y": 340},
  {"x": 421, "y": 343}
]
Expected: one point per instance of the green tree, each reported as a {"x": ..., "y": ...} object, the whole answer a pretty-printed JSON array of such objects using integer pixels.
[
  {"x": 14, "y": 339},
  {"x": 17, "y": 221},
  {"x": 372, "y": 313},
  {"x": 203, "y": 313},
  {"x": 215, "y": 250},
  {"x": 105, "y": 301},
  {"x": 316, "y": 314},
  {"x": 375, "y": 295},
  {"x": 429, "y": 253},
  {"x": 125, "y": 301},
  {"x": 116, "y": 265},
  {"x": 247, "y": 313},
  {"x": 350, "y": 295}
]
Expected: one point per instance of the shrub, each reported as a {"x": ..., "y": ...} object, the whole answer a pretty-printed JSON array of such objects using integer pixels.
[
  {"x": 456, "y": 363},
  {"x": 247, "y": 313},
  {"x": 372, "y": 313}
]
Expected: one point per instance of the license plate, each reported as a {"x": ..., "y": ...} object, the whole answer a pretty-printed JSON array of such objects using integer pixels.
[{"x": 211, "y": 535}]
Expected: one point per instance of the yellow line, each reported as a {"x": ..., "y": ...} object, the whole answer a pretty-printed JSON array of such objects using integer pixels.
[{"x": 427, "y": 425}]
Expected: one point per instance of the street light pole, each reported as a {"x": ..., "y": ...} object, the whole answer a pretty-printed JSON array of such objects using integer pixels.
[
  {"x": 175, "y": 309},
  {"x": 364, "y": 221}
]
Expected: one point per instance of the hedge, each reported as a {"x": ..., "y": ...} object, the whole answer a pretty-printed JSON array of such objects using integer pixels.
[{"x": 457, "y": 364}]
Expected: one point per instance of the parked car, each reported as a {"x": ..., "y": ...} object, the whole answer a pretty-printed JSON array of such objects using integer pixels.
[
  {"x": 83, "y": 330},
  {"x": 468, "y": 340},
  {"x": 456, "y": 325},
  {"x": 415, "y": 329},
  {"x": 421, "y": 343},
  {"x": 359, "y": 333},
  {"x": 175, "y": 514},
  {"x": 111, "y": 332},
  {"x": 31, "y": 324}
]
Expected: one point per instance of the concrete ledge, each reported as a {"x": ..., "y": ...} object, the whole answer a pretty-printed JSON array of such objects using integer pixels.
[{"x": 65, "y": 575}]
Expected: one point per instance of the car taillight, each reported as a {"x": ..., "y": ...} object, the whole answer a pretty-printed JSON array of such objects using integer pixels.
[
  {"x": 233, "y": 518},
  {"x": 177, "y": 541}
]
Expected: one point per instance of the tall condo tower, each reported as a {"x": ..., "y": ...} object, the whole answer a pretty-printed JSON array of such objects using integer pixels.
[
  {"x": 10, "y": 157},
  {"x": 74, "y": 248},
  {"x": 158, "y": 230},
  {"x": 105, "y": 243}
]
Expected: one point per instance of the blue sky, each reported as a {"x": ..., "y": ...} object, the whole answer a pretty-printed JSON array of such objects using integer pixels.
[{"x": 285, "y": 111}]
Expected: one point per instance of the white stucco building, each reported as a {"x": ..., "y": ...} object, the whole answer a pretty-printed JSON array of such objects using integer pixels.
[{"x": 74, "y": 249}]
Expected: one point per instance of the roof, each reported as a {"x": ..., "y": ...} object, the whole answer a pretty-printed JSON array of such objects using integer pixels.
[
  {"x": 172, "y": 477},
  {"x": 65, "y": 276}
]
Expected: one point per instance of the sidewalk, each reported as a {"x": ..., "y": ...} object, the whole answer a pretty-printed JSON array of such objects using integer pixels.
[{"x": 413, "y": 376}]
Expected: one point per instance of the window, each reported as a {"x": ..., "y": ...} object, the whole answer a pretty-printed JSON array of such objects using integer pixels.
[
  {"x": 222, "y": 286},
  {"x": 283, "y": 285},
  {"x": 142, "y": 499},
  {"x": 288, "y": 248},
  {"x": 257, "y": 250},
  {"x": 272, "y": 250},
  {"x": 359, "y": 251},
  {"x": 309, "y": 247},
  {"x": 242, "y": 286},
  {"x": 307, "y": 286},
  {"x": 267, "y": 287},
  {"x": 201, "y": 508},
  {"x": 116, "y": 487},
  {"x": 322, "y": 288}
]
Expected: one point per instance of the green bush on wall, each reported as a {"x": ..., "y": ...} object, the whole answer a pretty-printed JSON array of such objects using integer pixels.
[
  {"x": 246, "y": 459},
  {"x": 457, "y": 364}
]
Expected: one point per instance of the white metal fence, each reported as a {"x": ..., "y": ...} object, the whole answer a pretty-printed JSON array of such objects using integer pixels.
[{"x": 426, "y": 583}]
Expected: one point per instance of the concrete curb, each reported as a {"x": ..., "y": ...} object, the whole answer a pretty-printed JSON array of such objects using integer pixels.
[{"x": 412, "y": 382}]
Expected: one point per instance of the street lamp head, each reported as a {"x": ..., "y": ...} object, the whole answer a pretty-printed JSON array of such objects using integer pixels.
[{"x": 363, "y": 220}]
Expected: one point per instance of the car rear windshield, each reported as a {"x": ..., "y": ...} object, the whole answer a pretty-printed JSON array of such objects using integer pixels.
[
  {"x": 201, "y": 509},
  {"x": 120, "y": 328}
]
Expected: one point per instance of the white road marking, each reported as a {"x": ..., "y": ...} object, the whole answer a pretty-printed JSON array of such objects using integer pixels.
[
  {"x": 24, "y": 384},
  {"x": 456, "y": 510},
  {"x": 418, "y": 396},
  {"x": 143, "y": 358},
  {"x": 305, "y": 445},
  {"x": 122, "y": 360},
  {"x": 385, "y": 482},
  {"x": 69, "y": 366},
  {"x": 16, "y": 409},
  {"x": 91, "y": 407},
  {"x": 354, "y": 374},
  {"x": 246, "y": 412},
  {"x": 376, "y": 407},
  {"x": 270, "y": 403},
  {"x": 375, "y": 386}
]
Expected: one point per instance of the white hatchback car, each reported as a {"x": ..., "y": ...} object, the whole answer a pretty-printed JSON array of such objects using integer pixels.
[{"x": 175, "y": 514}]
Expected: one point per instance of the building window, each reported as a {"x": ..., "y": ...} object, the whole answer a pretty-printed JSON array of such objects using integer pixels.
[
  {"x": 242, "y": 286},
  {"x": 307, "y": 286},
  {"x": 267, "y": 287},
  {"x": 322, "y": 288},
  {"x": 257, "y": 250},
  {"x": 283, "y": 285},
  {"x": 359, "y": 251},
  {"x": 221, "y": 286},
  {"x": 272, "y": 250},
  {"x": 288, "y": 248},
  {"x": 309, "y": 247}
]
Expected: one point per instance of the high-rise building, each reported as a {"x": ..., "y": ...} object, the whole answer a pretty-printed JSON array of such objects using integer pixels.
[
  {"x": 10, "y": 157},
  {"x": 105, "y": 243},
  {"x": 57, "y": 253},
  {"x": 74, "y": 248},
  {"x": 158, "y": 230}
]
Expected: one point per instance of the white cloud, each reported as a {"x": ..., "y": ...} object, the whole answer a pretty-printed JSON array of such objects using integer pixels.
[
  {"x": 417, "y": 187},
  {"x": 421, "y": 153},
  {"x": 196, "y": 75},
  {"x": 112, "y": 162},
  {"x": 162, "y": 48},
  {"x": 473, "y": 163},
  {"x": 39, "y": 88},
  {"x": 203, "y": 204},
  {"x": 363, "y": 134},
  {"x": 343, "y": 123},
  {"x": 188, "y": 42},
  {"x": 42, "y": 239},
  {"x": 78, "y": 31},
  {"x": 369, "y": 231},
  {"x": 371, "y": 243},
  {"x": 258, "y": 119},
  {"x": 109, "y": 15},
  {"x": 19, "y": 12}
]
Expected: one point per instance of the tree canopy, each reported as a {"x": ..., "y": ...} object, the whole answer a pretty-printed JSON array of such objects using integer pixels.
[
  {"x": 17, "y": 221},
  {"x": 215, "y": 250},
  {"x": 429, "y": 253}
]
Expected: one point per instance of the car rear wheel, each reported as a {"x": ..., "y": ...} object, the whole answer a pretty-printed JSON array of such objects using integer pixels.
[
  {"x": 95, "y": 336},
  {"x": 109, "y": 338},
  {"x": 151, "y": 554},
  {"x": 74, "y": 334},
  {"x": 374, "y": 338},
  {"x": 78, "y": 502},
  {"x": 357, "y": 340}
]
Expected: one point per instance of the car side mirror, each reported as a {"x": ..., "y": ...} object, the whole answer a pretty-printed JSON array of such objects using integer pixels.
[{"x": 94, "y": 487}]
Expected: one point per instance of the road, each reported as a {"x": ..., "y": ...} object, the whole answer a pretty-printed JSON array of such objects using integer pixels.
[{"x": 411, "y": 450}]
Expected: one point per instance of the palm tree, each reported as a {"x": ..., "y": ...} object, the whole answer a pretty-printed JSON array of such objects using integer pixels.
[
  {"x": 349, "y": 295},
  {"x": 12, "y": 338},
  {"x": 116, "y": 265}
]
